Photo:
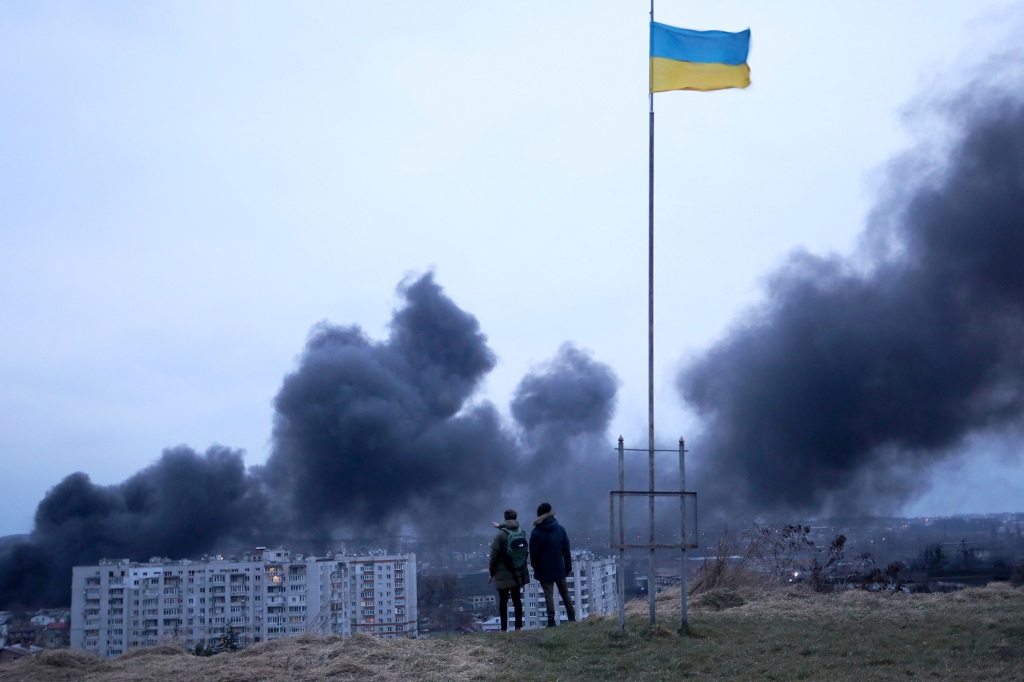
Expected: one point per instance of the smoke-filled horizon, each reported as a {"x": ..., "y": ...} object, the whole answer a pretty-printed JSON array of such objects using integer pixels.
[
  {"x": 833, "y": 397},
  {"x": 840, "y": 390},
  {"x": 370, "y": 438}
]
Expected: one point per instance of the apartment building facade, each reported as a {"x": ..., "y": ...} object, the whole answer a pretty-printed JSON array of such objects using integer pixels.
[{"x": 120, "y": 605}]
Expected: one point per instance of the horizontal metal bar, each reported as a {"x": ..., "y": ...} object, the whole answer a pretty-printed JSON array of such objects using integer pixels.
[
  {"x": 653, "y": 493},
  {"x": 680, "y": 545}
]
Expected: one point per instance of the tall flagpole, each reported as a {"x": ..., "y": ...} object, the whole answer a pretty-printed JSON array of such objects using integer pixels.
[
  {"x": 725, "y": 54},
  {"x": 650, "y": 344}
]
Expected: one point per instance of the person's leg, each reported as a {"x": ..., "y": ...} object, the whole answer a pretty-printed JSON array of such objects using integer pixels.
[
  {"x": 517, "y": 606},
  {"x": 503, "y": 608},
  {"x": 563, "y": 592},
  {"x": 549, "y": 601}
]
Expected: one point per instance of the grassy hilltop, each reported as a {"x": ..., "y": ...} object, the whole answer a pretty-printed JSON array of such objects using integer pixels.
[{"x": 743, "y": 634}]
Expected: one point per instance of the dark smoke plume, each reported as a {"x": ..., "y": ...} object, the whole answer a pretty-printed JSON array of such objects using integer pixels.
[
  {"x": 846, "y": 382},
  {"x": 369, "y": 438},
  {"x": 563, "y": 409},
  {"x": 372, "y": 436},
  {"x": 183, "y": 505}
]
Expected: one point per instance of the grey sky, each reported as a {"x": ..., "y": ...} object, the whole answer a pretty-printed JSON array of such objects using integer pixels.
[{"x": 186, "y": 188}]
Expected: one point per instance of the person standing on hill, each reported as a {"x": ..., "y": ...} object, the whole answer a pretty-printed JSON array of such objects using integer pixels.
[
  {"x": 508, "y": 567},
  {"x": 551, "y": 560}
]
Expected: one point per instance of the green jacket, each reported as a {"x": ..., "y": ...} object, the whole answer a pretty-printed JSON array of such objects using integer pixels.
[{"x": 504, "y": 578}]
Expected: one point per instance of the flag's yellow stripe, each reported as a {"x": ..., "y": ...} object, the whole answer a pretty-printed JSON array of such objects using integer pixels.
[{"x": 669, "y": 74}]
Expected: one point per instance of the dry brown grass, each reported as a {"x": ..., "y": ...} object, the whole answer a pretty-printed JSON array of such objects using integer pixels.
[
  {"x": 302, "y": 659},
  {"x": 743, "y": 632}
]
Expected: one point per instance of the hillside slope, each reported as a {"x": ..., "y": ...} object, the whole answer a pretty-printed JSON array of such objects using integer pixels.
[{"x": 974, "y": 634}]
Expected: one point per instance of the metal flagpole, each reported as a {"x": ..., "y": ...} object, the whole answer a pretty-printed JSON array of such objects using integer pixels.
[
  {"x": 682, "y": 534},
  {"x": 622, "y": 537},
  {"x": 650, "y": 344}
]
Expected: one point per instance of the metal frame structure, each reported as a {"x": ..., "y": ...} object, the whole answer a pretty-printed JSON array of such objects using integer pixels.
[{"x": 620, "y": 495}]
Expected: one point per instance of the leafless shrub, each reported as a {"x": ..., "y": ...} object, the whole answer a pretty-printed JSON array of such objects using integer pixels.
[
  {"x": 787, "y": 554},
  {"x": 726, "y": 568},
  {"x": 873, "y": 577}
]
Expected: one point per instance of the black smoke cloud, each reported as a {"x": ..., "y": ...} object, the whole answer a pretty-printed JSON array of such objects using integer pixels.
[
  {"x": 563, "y": 409},
  {"x": 369, "y": 437},
  {"x": 185, "y": 504},
  {"x": 380, "y": 435},
  {"x": 848, "y": 382}
]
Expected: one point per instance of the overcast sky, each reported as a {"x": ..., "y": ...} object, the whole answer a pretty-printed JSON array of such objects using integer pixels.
[{"x": 187, "y": 187}]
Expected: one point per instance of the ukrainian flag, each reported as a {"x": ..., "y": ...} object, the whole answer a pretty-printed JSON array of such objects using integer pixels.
[{"x": 683, "y": 59}]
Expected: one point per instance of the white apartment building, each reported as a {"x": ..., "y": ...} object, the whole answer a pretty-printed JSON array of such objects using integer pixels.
[
  {"x": 592, "y": 586},
  {"x": 383, "y": 595},
  {"x": 119, "y": 605}
]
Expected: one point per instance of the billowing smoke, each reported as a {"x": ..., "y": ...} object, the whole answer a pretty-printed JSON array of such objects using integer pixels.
[
  {"x": 563, "y": 409},
  {"x": 374, "y": 436},
  {"x": 183, "y": 505},
  {"x": 370, "y": 437},
  {"x": 846, "y": 382}
]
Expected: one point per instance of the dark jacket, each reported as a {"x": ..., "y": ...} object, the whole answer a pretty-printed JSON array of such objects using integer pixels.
[
  {"x": 504, "y": 577},
  {"x": 549, "y": 550}
]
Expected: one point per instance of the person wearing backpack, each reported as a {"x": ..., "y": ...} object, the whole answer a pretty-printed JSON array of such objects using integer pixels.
[
  {"x": 552, "y": 562},
  {"x": 508, "y": 567}
]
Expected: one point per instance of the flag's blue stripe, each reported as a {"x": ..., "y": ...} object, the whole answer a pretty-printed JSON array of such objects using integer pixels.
[{"x": 707, "y": 47}]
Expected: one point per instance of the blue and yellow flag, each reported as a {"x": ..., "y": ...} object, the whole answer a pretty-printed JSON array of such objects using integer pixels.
[{"x": 683, "y": 59}]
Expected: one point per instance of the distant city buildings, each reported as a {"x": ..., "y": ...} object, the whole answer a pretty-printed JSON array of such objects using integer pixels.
[
  {"x": 42, "y": 629},
  {"x": 120, "y": 605}
]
